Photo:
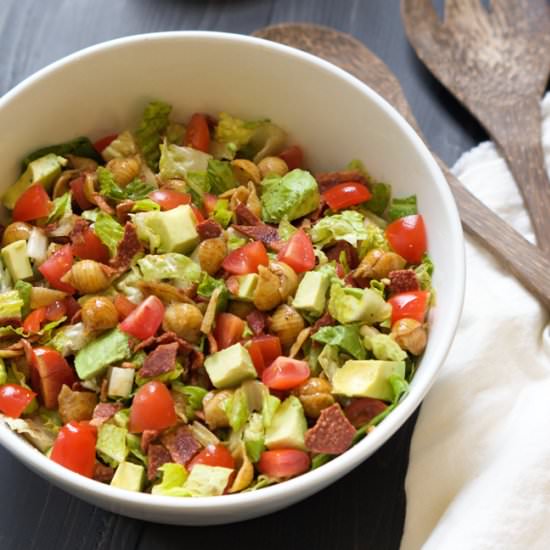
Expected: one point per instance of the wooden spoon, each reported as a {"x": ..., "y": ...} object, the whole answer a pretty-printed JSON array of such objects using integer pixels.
[
  {"x": 497, "y": 64},
  {"x": 523, "y": 259}
]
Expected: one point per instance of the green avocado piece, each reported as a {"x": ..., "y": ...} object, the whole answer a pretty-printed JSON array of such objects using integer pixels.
[
  {"x": 17, "y": 260},
  {"x": 129, "y": 476},
  {"x": 111, "y": 443},
  {"x": 247, "y": 286},
  {"x": 351, "y": 305},
  {"x": 288, "y": 426},
  {"x": 311, "y": 293},
  {"x": 230, "y": 366},
  {"x": 368, "y": 378},
  {"x": 44, "y": 170}
]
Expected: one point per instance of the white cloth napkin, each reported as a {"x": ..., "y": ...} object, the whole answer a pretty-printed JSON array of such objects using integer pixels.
[{"x": 479, "y": 473}]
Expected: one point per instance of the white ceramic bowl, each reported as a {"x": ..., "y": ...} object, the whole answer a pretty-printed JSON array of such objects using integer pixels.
[{"x": 333, "y": 115}]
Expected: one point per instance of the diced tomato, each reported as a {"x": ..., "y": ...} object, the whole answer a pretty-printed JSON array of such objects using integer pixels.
[
  {"x": 14, "y": 399},
  {"x": 363, "y": 409},
  {"x": 213, "y": 455},
  {"x": 411, "y": 305},
  {"x": 293, "y": 156},
  {"x": 33, "y": 320},
  {"x": 123, "y": 306},
  {"x": 228, "y": 330},
  {"x": 246, "y": 259},
  {"x": 347, "y": 194},
  {"x": 168, "y": 198},
  {"x": 209, "y": 202},
  {"x": 285, "y": 373},
  {"x": 74, "y": 448},
  {"x": 104, "y": 142},
  {"x": 298, "y": 253},
  {"x": 90, "y": 247},
  {"x": 49, "y": 371},
  {"x": 264, "y": 350},
  {"x": 198, "y": 214},
  {"x": 407, "y": 236},
  {"x": 56, "y": 310},
  {"x": 72, "y": 307},
  {"x": 77, "y": 189},
  {"x": 33, "y": 204},
  {"x": 152, "y": 408},
  {"x": 145, "y": 320},
  {"x": 197, "y": 134},
  {"x": 56, "y": 266},
  {"x": 283, "y": 463}
]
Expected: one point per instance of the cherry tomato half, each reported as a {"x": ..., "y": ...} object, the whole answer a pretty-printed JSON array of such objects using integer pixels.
[
  {"x": 264, "y": 350},
  {"x": 197, "y": 134},
  {"x": 410, "y": 305},
  {"x": 285, "y": 373},
  {"x": 88, "y": 246},
  {"x": 283, "y": 463},
  {"x": 123, "y": 306},
  {"x": 34, "y": 320},
  {"x": 57, "y": 265},
  {"x": 168, "y": 198},
  {"x": 74, "y": 448},
  {"x": 77, "y": 189},
  {"x": 407, "y": 236},
  {"x": 298, "y": 253},
  {"x": 246, "y": 259},
  {"x": 104, "y": 142},
  {"x": 49, "y": 371},
  {"x": 293, "y": 156},
  {"x": 34, "y": 203},
  {"x": 346, "y": 194},
  {"x": 14, "y": 399},
  {"x": 228, "y": 330},
  {"x": 152, "y": 408},
  {"x": 213, "y": 455},
  {"x": 145, "y": 320}
]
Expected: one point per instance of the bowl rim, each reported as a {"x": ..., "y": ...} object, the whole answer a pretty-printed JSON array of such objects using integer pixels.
[{"x": 316, "y": 479}]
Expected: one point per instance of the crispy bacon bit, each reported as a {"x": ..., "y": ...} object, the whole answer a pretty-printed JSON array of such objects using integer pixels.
[
  {"x": 328, "y": 180},
  {"x": 123, "y": 210},
  {"x": 403, "y": 280},
  {"x": 147, "y": 437},
  {"x": 259, "y": 232},
  {"x": 325, "y": 321},
  {"x": 157, "y": 456},
  {"x": 127, "y": 248},
  {"x": 103, "y": 204},
  {"x": 181, "y": 444},
  {"x": 198, "y": 360},
  {"x": 77, "y": 234},
  {"x": 332, "y": 434},
  {"x": 245, "y": 216},
  {"x": 103, "y": 473},
  {"x": 334, "y": 252},
  {"x": 257, "y": 321},
  {"x": 160, "y": 361},
  {"x": 164, "y": 338},
  {"x": 103, "y": 412},
  {"x": 209, "y": 229},
  {"x": 363, "y": 409}
]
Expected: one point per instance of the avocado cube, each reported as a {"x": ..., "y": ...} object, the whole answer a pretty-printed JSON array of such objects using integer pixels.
[
  {"x": 247, "y": 286},
  {"x": 175, "y": 228},
  {"x": 17, "y": 260},
  {"x": 368, "y": 378},
  {"x": 129, "y": 476},
  {"x": 230, "y": 366},
  {"x": 311, "y": 293},
  {"x": 288, "y": 426}
]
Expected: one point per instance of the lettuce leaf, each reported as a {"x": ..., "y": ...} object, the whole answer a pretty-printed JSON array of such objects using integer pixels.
[
  {"x": 222, "y": 214},
  {"x": 24, "y": 290},
  {"x": 70, "y": 338},
  {"x": 401, "y": 207},
  {"x": 381, "y": 193},
  {"x": 206, "y": 481},
  {"x": 61, "y": 208},
  {"x": 234, "y": 130},
  {"x": 136, "y": 190},
  {"x": 346, "y": 338},
  {"x": 109, "y": 231},
  {"x": 347, "y": 226},
  {"x": 3, "y": 372},
  {"x": 197, "y": 184},
  {"x": 122, "y": 146},
  {"x": 193, "y": 398},
  {"x": 5, "y": 278},
  {"x": 155, "y": 267},
  {"x": 80, "y": 146},
  {"x": 352, "y": 305},
  {"x": 286, "y": 229},
  {"x": 11, "y": 305},
  {"x": 330, "y": 362},
  {"x": 148, "y": 136},
  {"x": 236, "y": 409},
  {"x": 268, "y": 139},
  {"x": 111, "y": 444},
  {"x": 173, "y": 478},
  {"x": 375, "y": 239},
  {"x": 178, "y": 162},
  {"x": 424, "y": 273},
  {"x": 220, "y": 176},
  {"x": 145, "y": 205}
]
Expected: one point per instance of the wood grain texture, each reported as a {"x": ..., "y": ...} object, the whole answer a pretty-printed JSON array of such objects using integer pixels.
[
  {"x": 526, "y": 261},
  {"x": 497, "y": 64}
]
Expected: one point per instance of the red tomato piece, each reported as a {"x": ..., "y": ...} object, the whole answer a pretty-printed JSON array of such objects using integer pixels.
[
  {"x": 145, "y": 320},
  {"x": 411, "y": 305},
  {"x": 347, "y": 194},
  {"x": 72, "y": 307},
  {"x": 90, "y": 247},
  {"x": 104, "y": 142},
  {"x": 198, "y": 214},
  {"x": 209, "y": 201},
  {"x": 298, "y": 253},
  {"x": 56, "y": 310},
  {"x": 228, "y": 330},
  {"x": 15, "y": 399},
  {"x": 246, "y": 259},
  {"x": 285, "y": 373},
  {"x": 213, "y": 455},
  {"x": 407, "y": 236},
  {"x": 56, "y": 266},
  {"x": 283, "y": 463},
  {"x": 74, "y": 448},
  {"x": 33, "y": 204},
  {"x": 197, "y": 134},
  {"x": 293, "y": 156},
  {"x": 264, "y": 350},
  {"x": 168, "y": 198},
  {"x": 152, "y": 408},
  {"x": 77, "y": 189},
  {"x": 123, "y": 306},
  {"x": 32, "y": 322},
  {"x": 49, "y": 371}
]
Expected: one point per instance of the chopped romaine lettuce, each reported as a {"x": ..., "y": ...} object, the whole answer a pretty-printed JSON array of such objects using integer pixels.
[
  {"x": 375, "y": 239},
  {"x": 268, "y": 139},
  {"x": 234, "y": 131},
  {"x": 136, "y": 190},
  {"x": 111, "y": 444},
  {"x": 208, "y": 284},
  {"x": 169, "y": 266},
  {"x": 178, "y": 162},
  {"x": 292, "y": 196},
  {"x": 24, "y": 290},
  {"x": 286, "y": 229},
  {"x": 133, "y": 442},
  {"x": 70, "y": 338},
  {"x": 193, "y": 398},
  {"x": 61, "y": 208},
  {"x": 329, "y": 360},
  {"x": 170, "y": 376},
  {"x": 80, "y": 146},
  {"x": 261, "y": 482},
  {"x": 148, "y": 136},
  {"x": 145, "y": 205},
  {"x": 383, "y": 346},
  {"x": 347, "y": 226},
  {"x": 173, "y": 478},
  {"x": 5, "y": 278},
  {"x": 222, "y": 214},
  {"x": 122, "y": 146},
  {"x": 197, "y": 184},
  {"x": 253, "y": 437},
  {"x": 236, "y": 409},
  {"x": 381, "y": 193},
  {"x": 207, "y": 481},
  {"x": 32, "y": 429},
  {"x": 269, "y": 408},
  {"x": 400, "y": 207},
  {"x": 11, "y": 305},
  {"x": 234, "y": 240},
  {"x": 109, "y": 231},
  {"x": 346, "y": 338},
  {"x": 175, "y": 132},
  {"x": 424, "y": 273},
  {"x": 220, "y": 176},
  {"x": 352, "y": 305}
]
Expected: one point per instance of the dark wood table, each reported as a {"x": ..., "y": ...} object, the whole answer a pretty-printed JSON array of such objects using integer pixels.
[{"x": 365, "y": 509}]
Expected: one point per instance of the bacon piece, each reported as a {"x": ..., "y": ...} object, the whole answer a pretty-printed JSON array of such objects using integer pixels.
[
  {"x": 123, "y": 210},
  {"x": 77, "y": 234},
  {"x": 362, "y": 410},
  {"x": 157, "y": 456},
  {"x": 259, "y": 232},
  {"x": 328, "y": 180},
  {"x": 325, "y": 321},
  {"x": 103, "y": 473},
  {"x": 164, "y": 338},
  {"x": 127, "y": 248},
  {"x": 245, "y": 216},
  {"x": 147, "y": 437},
  {"x": 403, "y": 280},
  {"x": 209, "y": 229},
  {"x": 198, "y": 360},
  {"x": 334, "y": 252},
  {"x": 102, "y": 204},
  {"x": 257, "y": 321},
  {"x": 181, "y": 444},
  {"x": 160, "y": 361},
  {"x": 332, "y": 434},
  {"x": 103, "y": 412}
]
